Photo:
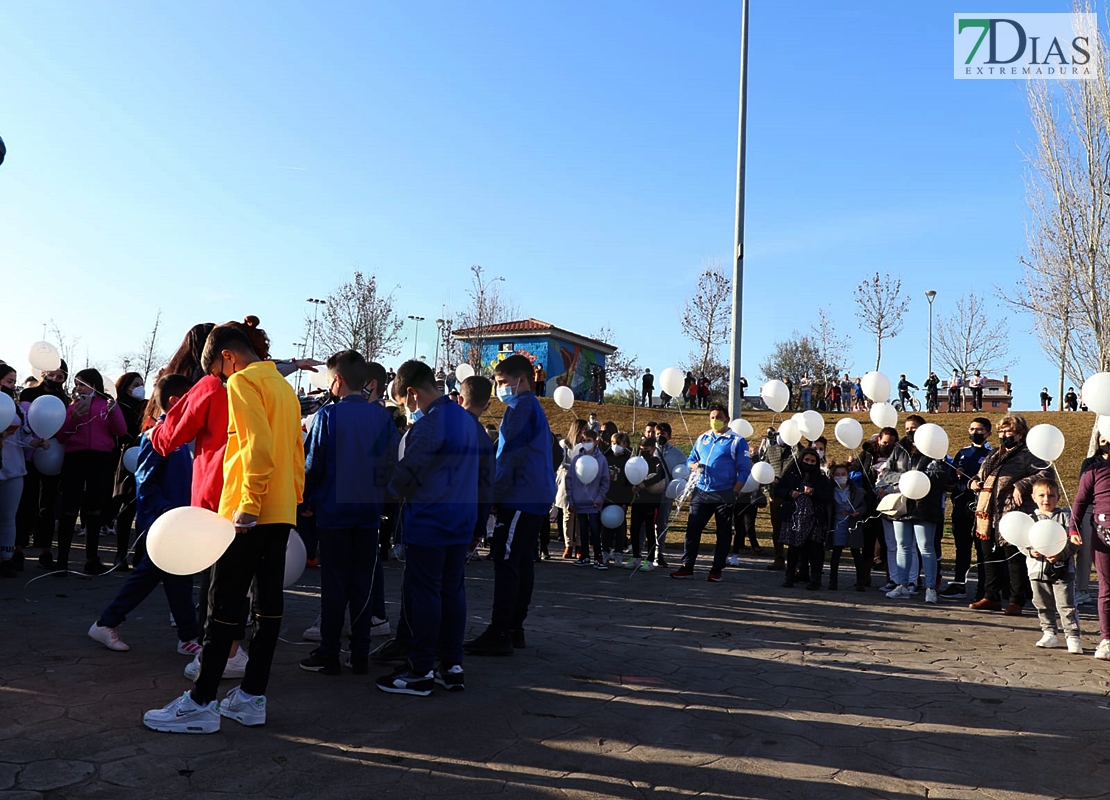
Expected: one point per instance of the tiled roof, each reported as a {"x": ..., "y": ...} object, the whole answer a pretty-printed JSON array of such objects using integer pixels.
[{"x": 532, "y": 326}]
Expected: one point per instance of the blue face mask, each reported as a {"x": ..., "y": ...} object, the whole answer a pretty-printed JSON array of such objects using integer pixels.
[
  {"x": 507, "y": 394},
  {"x": 415, "y": 416}
]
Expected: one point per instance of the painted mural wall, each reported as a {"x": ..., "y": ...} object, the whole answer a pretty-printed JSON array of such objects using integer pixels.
[{"x": 566, "y": 364}]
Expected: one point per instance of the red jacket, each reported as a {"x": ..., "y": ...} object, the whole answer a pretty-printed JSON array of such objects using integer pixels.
[{"x": 201, "y": 415}]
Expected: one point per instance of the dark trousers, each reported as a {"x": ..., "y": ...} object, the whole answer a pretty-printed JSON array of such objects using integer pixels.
[
  {"x": 348, "y": 571},
  {"x": 977, "y": 399},
  {"x": 256, "y": 557},
  {"x": 805, "y": 562},
  {"x": 143, "y": 580},
  {"x": 589, "y": 527},
  {"x": 86, "y": 490},
  {"x": 774, "y": 508},
  {"x": 963, "y": 533},
  {"x": 743, "y": 521},
  {"x": 642, "y": 527},
  {"x": 512, "y": 549},
  {"x": 436, "y": 600},
  {"x": 700, "y": 512},
  {"x": 614, "y": 539},
  {"x": 38, "y": 509},
  {"x": 1006, "y": 557}
]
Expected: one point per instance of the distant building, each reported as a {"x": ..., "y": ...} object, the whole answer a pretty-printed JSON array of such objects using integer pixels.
[
  {"x": 568, "y": 358},
  {"x": 998, "y": 396}
]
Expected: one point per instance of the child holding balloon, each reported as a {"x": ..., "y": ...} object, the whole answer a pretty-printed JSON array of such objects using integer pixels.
[
  {"x": 588, "y": 483},
  {"x": 1053, "y": 577},
  {"x": 161, "y": 483}
]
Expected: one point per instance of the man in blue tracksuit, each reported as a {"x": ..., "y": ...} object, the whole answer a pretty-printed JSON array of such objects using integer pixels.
[
  {"x": 723, "y": 463},
  {"x": 351, "y": 454},
  {"x": 437, "y": 477},
  {"x": 523, "y": 491}
]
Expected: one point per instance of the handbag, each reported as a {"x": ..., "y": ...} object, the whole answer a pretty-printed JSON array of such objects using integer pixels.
[{"x": 892, "y": 505}]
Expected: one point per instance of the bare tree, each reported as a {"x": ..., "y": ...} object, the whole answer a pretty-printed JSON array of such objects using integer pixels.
[
  {"x": 968, "y": 340},
  {"x": 880, "y": 306},
  {"x": 833, "y": 349},
  {"x": 148, "y": 358},
  {"x": 619, "y": 366},
  {"x": 800, "y": 355},
  {"x": 66, "y": 346},
  {"x": 1066, "y": 286},
  {"x": 357, "y": 317},
  {"x": 487, "y": 307},
  {"x": 707, "y": 318}
]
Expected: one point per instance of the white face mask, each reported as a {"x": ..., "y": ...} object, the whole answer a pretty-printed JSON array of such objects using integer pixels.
[
  {"x": 139, "y": 393},
  {"x": 841, "y": 481},
  {"x": 588, "y": 447},
  {"x": 617, "y": 449}
]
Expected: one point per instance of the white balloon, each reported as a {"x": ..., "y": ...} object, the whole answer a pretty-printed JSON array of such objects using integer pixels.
[
  {"x": 296, "y": 558},
  {"x": 585, "y": 467},
  {"x": 46, "y": 415},
  {"x": 110, "y": 390},
  {"x": 674, "y": 489},
  {"x": 914, "y": 484},
  {"x": 849, "y": 433},
  {"x": 741, "y": 427},
  {"x": 1104, "y": 427},
  {"x": 131, "y": 459},
  {"x": 1047, "y": 537},
  {"x": 44, "y": 357},
  {"x": 789, "y": 432},
  {"x": 463, "y": 371},
  {"x": 7, "y": 412},
  {"x": 612, "y": 516},
  {"x": 884, "y": 415},
  {"x": 319, "y": 379},
  {"x": 750, "y": 485},
  {"x": 775, "y": 395},
  {"x": 1014, "y": 527},
  {"x": 932, "y": 440},
  {"x": 184, "y": 541},
  {"x": 563, "y": 397},
  {"x": 636, "y": 469},
  {"x": 681, "y": 472},
  {"x": 763, "y": 472},
  {"x": 876, "y": 386},
  {"x": 811, "y": 424},
  {"x": 49, "y": 461},
  {"x": 1096, "y": 393},
  {"x": 671, "y": 380},
  {"x": 1045, "y": 441}
]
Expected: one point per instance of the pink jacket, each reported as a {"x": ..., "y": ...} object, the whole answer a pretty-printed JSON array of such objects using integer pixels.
[{"x": 97, "y": 431}]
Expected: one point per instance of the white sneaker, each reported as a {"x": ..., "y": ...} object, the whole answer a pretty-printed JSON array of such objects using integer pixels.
[
  {"x": 184, "y": 716},
  {"x": 900, "y": 592},
  {"x": 312, "y": 632},
  {"x": 236, "y": 667},
  {"x": 647, "y": 566},
  {"x": 378, "y": 627},
  {"x": 1048, "y": 640},
  {"x": 245, "y": 709},
  {"x": 1103, "y": 650},
  {"x": 190, "y": 648},
  {"x": 912, "y": 588},
  {"x": 632, "y": 563},
  {"x": 1083, "y": 599},
  {"x": 618, "y": 559},
  {"x": 1075, "y": 645},
  {"x": 399, "y": 552},
  {"x": 931, "y": 596},
  {"x": 109, "y": 637}
]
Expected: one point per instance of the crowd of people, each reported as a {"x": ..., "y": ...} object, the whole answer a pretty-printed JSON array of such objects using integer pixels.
[{"x": 390, "y": 458}]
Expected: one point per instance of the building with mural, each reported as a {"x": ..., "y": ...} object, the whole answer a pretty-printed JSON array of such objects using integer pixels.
[{"x": 568, "y": 359}]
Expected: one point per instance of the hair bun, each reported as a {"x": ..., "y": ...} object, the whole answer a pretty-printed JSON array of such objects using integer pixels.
[{"x": 251, "y": 321}]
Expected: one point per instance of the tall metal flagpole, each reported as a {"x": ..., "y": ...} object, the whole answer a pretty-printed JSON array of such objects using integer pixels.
[{"x": 738, "y": 269}]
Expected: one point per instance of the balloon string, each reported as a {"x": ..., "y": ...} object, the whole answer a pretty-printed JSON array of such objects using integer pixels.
[{"x": 57, "y": 572}]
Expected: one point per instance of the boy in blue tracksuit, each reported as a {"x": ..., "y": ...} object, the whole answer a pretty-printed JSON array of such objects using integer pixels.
[
  {"x": 523, "y": 491},
  {"x": 160, "y": 485},
  {"x": 351, "y": 454},
  {"x": 437, "y": 477},
  {"x": 474, "y": 395},
  {"x": 723, "y": 463}
]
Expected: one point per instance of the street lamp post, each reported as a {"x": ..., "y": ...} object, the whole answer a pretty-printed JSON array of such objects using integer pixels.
[
  {"x": 415, "y": 333},
  {"x": 299, "y": 346},
  {"x": 930, "y": 296},
  {"x": 738, "y": 265},
  {"x": 316, "y": 303},
  {"x": 440, "y": 325}
]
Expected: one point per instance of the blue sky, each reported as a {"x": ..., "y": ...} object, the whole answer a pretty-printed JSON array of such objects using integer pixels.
[{"x": 213, "y": 160}]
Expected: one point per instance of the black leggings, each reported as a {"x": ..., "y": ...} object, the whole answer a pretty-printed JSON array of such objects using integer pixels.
[
  {"x": 87, "y": 477},
  {"x": 811, "y": 554}
]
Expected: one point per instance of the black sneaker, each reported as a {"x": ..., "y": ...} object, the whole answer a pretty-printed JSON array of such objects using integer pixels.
[
  {"x": 360, "y": 665},
  {"x": 953, "y": 591},
  {"x": 17, "y": 560},
  {"x": 46, "y": 560},
  {"x": 490, "y": 643},
  {"x": 404, "y": 681},
  {"x": 95, "y": 567},
  {"x": 517, "y": 637},
  {"x": 450, "y": 678},
  {"x": 322, "y": 663},
  {"x": 390, "y": 652}
]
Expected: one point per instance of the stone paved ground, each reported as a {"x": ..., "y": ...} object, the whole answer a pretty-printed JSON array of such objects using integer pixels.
[{"x": 632, "y": 686}]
